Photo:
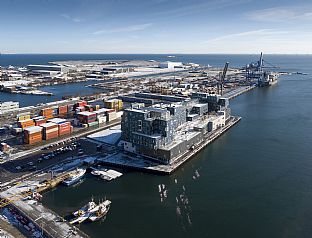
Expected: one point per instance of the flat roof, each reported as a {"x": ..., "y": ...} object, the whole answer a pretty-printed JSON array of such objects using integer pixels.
[{"x": 46, "y": 66}]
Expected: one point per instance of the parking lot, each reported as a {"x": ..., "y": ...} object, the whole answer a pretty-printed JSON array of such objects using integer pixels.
[{"x": 48, "y": 156}]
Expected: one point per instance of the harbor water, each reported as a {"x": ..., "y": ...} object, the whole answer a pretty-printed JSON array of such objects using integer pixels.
[{"x": 253, "y": 181}]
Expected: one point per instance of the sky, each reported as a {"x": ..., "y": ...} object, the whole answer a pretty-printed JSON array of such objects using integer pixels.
[{"x": 156, "y": 26}]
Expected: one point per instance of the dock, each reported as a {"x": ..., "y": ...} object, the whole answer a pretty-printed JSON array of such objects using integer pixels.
[
  {"x": 236, "y": 92},
  {"x": 17, "y": 200}
]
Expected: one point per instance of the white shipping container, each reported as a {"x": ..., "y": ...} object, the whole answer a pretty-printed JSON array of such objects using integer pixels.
[
  {"x": 102, "y": 119},
  {"x": 111, "y": 116},
  {"x": 119, "y": 114}
]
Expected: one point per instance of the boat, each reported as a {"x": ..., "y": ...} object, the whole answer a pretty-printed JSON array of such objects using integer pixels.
[
  {"x": 101, "y": 212},
  {"x": 86, "y": 208},
  {"x": 268, "y": 79},
  {"x": 257, "y": 71},
  {"x": 81, "y": 218},
  {"x": 98, "y": 171},
  {"x": 74, "y": 177},
  {"x": 110, "y": 174}
]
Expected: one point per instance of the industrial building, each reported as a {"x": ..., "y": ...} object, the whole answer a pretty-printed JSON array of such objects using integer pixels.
[
  {"x": 164, "y": 132},
  {"x": 47, "y": 69},
  {"x": 170, "y": 65},
  {"x": 116, "y": 70}
]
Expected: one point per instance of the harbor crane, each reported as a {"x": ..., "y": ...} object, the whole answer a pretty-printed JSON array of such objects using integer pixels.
[
  {"x": 222, "y": 78},
  {"x": 256, "y": 70}
]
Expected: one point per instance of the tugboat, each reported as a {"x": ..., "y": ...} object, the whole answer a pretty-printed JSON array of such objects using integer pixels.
[{"x": 74, "y": 177}]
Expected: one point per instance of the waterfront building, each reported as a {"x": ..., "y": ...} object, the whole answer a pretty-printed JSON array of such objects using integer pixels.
[
  {"x": 117, "y": 70},
  {"x": 47, "y": 69},
  {"x": 164, "y": 132},
  {"x": 170, "y": 65}
]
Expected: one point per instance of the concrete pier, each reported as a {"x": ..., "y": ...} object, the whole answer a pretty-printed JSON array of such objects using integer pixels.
[{"x": 236, "y": 92}]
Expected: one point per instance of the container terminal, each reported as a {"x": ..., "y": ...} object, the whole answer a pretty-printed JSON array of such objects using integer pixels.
[{"x": 151, "y": 116}]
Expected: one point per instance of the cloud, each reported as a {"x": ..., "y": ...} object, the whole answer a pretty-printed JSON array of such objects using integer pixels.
[
  {"x": 74, "y": 19},
  {"x": 131, "y": 28},
  {"x": 181, "y": 10},
  {"x": 281, "y": 14},
  {"x": 254, "y": 33}
]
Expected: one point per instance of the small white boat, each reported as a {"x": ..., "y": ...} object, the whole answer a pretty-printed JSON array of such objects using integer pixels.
[
  {"x": 110, "y": 174},
  {"x": 74, "y": 177},
  {"x": 97, "y": 171}
]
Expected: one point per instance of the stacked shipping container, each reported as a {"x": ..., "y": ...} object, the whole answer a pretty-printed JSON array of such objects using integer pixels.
[
  {"x": 39, "y": 120},
  {"x": 80, "y": 104},
  {"x": 86, "y": 117},
  {"x": 64, "y": 126},
  {"x": 25, "y": 123},
  {"x": 47, "y": 113},
  {"x": 114, "y": 104},
  {"x": 22, "y": 117},
  {"x": 50, "y": 131},
  {"x": 62, "y": 110},
  {"x": 33, "y": 135}
]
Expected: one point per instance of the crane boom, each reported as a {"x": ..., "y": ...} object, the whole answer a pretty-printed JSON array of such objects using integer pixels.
[
  {"x": 261, "y": 62},
  {"x": 223, "y": 75}
]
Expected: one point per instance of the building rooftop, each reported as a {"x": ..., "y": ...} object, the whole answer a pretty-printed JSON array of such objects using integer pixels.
[{"x": 46, "y": 66}]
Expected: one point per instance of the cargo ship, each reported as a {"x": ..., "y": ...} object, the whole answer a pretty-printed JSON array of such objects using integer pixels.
[
  {"x": 74, "y": 177},
  {"x": 256, "y": 71},
  {"x": 268, "y": 79}
]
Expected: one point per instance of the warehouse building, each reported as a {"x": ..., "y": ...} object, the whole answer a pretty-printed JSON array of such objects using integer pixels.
[
  {"x": 116, "y": 70},
  {"x": 47, "y": 69},
  {"x": 170, "y": 65}
]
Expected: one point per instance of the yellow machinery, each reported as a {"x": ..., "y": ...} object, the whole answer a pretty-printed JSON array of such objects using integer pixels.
[{"x": 45, "y": 186}]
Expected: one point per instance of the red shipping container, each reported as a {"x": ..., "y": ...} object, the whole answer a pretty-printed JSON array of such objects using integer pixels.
[
  {"x": 62, "y": 109},
  {"x": 40, "y": 122},
  {"x": 64, "y": 128},
  {"x": 50, "y": 135}
]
